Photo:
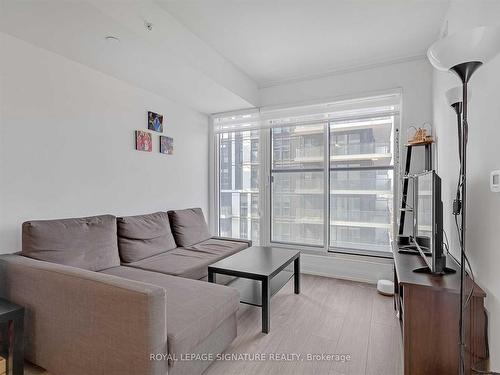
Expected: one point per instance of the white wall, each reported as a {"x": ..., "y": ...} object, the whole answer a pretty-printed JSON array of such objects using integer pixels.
[
  {"x": 483, "y": 218},
  {"x": 67, "y": 144}
]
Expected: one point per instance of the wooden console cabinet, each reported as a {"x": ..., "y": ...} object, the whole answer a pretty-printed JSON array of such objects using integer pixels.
[{"x": 428, "y": 309}]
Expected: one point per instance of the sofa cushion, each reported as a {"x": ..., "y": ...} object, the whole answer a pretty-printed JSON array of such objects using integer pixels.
[
  {"x": 217, "y": 247},
  {"x": 189, "y": 226},
  {"x": 88, "y": 242},
  {"x": 143, "y": 236},
  {"x": 190, "y": 262},
  {"x": 194, "y": 308}
]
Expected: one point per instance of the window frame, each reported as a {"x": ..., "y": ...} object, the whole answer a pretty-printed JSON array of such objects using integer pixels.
[{"x": 265, "y": 190}]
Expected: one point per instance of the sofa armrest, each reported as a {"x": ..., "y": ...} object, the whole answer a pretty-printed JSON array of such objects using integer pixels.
[
  {"x": 248, "y": 242},
  {"x": 82, "y": 322}
]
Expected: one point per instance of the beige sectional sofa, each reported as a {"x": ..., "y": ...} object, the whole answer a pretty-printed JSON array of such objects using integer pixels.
[{"x": 107, "y": 295}]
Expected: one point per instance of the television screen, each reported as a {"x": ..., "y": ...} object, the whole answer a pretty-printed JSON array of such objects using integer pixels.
[{"x": 428, "y": 220}]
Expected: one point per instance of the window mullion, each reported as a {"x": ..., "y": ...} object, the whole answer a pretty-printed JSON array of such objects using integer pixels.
[
  {"x": 265, "y": 187},
  {"x": 326, "y": 207},
  {"x": 216, "y": 184}
]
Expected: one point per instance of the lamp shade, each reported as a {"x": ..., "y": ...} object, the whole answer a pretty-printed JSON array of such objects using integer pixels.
[
  {"x": 454, "y": 95},
  {"x": 479, "y": 44}
]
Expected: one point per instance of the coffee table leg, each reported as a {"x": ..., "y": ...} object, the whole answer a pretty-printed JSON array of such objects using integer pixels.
[
  {"x": 296, "y": 275},
  {"x": 266, "y": 302},
  {"x": 211, "y": 277}
]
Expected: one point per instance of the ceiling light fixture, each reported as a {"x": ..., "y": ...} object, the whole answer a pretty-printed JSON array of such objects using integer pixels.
[{"x": 112, "y": 39}]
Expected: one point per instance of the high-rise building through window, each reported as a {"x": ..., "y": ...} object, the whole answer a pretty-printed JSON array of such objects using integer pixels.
[
  {"x": 361, "y": 184},
  {"x": 297, "y": 177},
  {"x": 239, "y": 185}
]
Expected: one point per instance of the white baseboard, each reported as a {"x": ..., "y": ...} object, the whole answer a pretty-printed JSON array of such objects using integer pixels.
[{"x": 347, "y": 267}]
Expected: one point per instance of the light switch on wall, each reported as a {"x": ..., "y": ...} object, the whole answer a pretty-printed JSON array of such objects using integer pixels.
[{"x": 495, "y": 181}]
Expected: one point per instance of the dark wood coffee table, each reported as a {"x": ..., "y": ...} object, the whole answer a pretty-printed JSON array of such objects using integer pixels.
[{"x": 261, "y": 274}]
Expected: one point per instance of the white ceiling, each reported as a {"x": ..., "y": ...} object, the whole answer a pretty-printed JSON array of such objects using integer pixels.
[
  {"x": 213, "y": 54},
  {"x": 279, "y": 40},
  {"x": 168, "y": 60}
]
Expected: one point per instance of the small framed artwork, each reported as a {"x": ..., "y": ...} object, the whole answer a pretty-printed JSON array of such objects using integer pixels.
[
  {"x": 155, "y": 122},
  {"x": 143, "y": 141},
  {"x": 166, "y": 145}
]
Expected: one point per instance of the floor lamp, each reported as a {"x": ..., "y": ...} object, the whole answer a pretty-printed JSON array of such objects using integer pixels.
[
  {"x": 463, "y": 53},
  {"x": 454, "y": 98}
]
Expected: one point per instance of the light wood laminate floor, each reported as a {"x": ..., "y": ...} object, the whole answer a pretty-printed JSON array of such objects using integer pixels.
[{"x": 330, "y": 316}]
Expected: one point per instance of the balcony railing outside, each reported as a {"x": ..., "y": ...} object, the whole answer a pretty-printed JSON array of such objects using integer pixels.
[
  {"x": 371, "y": 216},
  {"x": 360, "y": 148},
  {"x": 379, "y": 184}
]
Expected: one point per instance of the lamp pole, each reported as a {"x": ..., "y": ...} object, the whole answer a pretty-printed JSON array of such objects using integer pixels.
[
  {"x": 464, "y": 72},
  {"x": 463, "y": 52},
  {"x": 458, "y": 110}
]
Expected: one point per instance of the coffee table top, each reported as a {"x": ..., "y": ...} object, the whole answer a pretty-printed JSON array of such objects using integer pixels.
[{"x": 256, "y": 261}]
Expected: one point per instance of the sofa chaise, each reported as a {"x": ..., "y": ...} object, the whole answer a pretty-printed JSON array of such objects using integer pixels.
[{"x": 106, "y": 295}]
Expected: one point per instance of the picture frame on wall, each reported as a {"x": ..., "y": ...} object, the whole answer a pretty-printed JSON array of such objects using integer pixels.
[
  {"x": 155, "y": 122},
  {"x": 166, "y": 145},
  {"x": 143, "y": 141}
]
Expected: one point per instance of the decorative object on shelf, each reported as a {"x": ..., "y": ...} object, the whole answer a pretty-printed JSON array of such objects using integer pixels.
[
  {"x": 463, "y": 53},
  {"x": 143, "y": 141},
  {"x": 421, "y": 136},
  {"x": 166, "y": 145},
  {"x": 155, "y": 122}
]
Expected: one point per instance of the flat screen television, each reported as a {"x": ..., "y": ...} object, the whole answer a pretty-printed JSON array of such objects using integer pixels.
[{"x": 428, "y": 221}]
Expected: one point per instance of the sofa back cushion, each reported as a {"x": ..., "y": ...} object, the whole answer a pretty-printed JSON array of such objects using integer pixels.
[
  {"x": 189, "y": 226},
  {"x": 143, "y": 236},
  {"x": 88, "y": 242}
]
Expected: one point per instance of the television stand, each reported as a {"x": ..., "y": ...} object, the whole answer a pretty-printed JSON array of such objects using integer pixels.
[{"x": 428, "y": 310}]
